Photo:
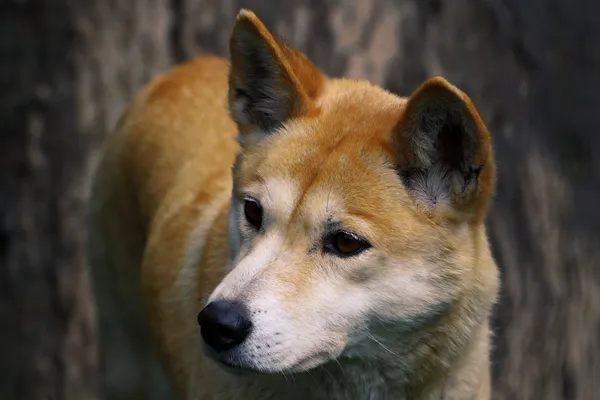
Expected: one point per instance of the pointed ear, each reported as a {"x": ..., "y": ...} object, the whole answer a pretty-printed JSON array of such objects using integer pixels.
[
  {"x": 269, "y": 82},
  {"x": 444, "y": 153}
]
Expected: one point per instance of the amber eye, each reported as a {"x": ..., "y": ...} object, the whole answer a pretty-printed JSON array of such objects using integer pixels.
[
  {"x": 345, "y": 244},
  {"x": 253, "y": 212}
]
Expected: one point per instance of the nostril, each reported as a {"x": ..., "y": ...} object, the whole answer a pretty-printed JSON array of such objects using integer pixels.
[{"x": 224, "y": 324}]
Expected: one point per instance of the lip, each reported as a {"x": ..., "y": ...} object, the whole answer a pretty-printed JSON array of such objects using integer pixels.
[
  {"x": 311, "y": 362},
  {"x": 233, "y": 368},
  {"x": 244, "y": 369},
  {"x": 228, "y": 365},
  {"x": 239, "y": 370}
]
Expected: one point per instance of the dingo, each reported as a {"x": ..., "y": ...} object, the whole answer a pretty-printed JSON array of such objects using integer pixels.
[{"x": 263, "y": 231}]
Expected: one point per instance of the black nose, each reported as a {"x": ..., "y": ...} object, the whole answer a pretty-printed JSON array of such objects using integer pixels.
[{"x": 224, "y": 324}]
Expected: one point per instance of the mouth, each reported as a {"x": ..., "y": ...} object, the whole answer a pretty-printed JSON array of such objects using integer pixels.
[
  {"x": 230, "y": 364},
  {"x": 311, "y": 362},
  {"x": 237, "y": 369},
  {"x": 244, "y": 367}
]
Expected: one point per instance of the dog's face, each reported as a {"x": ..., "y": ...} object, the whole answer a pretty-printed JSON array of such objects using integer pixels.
[{"x": 356, "y": 215}]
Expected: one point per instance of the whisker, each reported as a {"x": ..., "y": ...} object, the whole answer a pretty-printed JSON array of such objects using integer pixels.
[
  {"x": 341, "y": 368},
  {"x": 381, "y": 344}
]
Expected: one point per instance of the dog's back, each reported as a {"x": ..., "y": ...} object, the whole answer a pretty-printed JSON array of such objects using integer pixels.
[{"x": 168, "y": 163}]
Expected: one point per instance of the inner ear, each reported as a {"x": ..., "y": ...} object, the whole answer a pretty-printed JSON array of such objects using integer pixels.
[
  {"x": 443, "y": 147},
  {"x": 450, "y": 145},
  {"x": 454, "y": 137}
]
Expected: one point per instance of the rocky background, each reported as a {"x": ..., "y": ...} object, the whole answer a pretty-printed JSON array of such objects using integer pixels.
[{"x": 67, "y": 68}]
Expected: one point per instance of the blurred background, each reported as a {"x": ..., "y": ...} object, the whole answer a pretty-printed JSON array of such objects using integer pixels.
[{"x": 68, "y": 67}]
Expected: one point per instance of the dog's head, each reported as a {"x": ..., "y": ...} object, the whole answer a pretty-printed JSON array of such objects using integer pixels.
[{"x": 356, "y": 218}]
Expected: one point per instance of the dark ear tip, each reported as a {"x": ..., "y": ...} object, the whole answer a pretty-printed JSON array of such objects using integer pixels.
[
  {"x": 245, "y": 15},
  {"x": 440, "y": 86},
  {"x": 438, "y": 80},
  {"x": 248, "y": 30},
  {"x": 246, "y": 20}
]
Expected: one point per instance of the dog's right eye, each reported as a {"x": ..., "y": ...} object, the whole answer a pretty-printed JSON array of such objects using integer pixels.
[{"x": 253, "y": 212}]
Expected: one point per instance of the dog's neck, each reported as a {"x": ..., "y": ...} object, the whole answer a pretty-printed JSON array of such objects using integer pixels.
[{"x": 465, "y": 377}]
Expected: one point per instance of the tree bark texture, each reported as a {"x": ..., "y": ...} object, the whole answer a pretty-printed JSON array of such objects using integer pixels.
[{"x": 68, "y": 67}]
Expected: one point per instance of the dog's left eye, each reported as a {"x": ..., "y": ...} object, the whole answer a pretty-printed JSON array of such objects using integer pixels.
[
  {"x": 253, "y": 212},
  {"x": 345, "y": 244}
]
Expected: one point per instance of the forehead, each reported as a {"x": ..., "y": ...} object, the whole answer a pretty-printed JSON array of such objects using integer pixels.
[
  {"x": 341, "y": 156},
  {"x": 352, "y": 123}
]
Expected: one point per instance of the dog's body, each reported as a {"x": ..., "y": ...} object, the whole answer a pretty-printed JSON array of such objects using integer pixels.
[{"x": 347, "y": 258}]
